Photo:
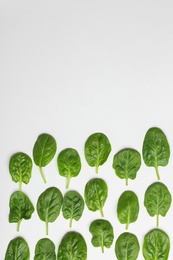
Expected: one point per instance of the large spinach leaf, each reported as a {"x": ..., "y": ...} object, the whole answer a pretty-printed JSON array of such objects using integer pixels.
[
  {"x": 95, "y": 194},
  {"x": 97, "y": 150},
  {"x": 102, "y": 232},
  {"x": 45, "y": 249},
  {"x": 127, "y": 247},
  {"x": 17, "y": 250},
  {"x": 20, "y": 208},
  {"x": 72, "y": 247},
  {"x": 69, "y": 164},
  {"x": 156, "y": 245},
  {"x": 73, "y": 206},
  {"x": 128, "y": 208},
  {"x": 127, "y": 163},
  {"x": 43, "y": 151},
  {"x": 20, "y": 167},
  {"x": 157, "y": 200},
  {"x": 155, "y": 150},
  {"x": 49, "y": 205}
]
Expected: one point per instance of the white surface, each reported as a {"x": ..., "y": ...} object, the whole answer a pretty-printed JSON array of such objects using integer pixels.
[{"x": 72, "y": 68}]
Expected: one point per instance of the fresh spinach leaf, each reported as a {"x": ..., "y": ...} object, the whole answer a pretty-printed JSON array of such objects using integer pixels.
[
  {"x": 102, "y": 232},
  {"x": 127, "y": 163},
  {"x": 72, "y": 246},
  {"x": 43, "y": 152},
  {"x": 128, "y": 208},
  {"x": 155, "y": 150},
  {"x": 127, "y": 247},
  {"x": 17, "y": 250},
  {"x": 156, "y": 245},
  {"x": 73, "y": 206},
  {"x": 20, "y": 167},
  {"x": 69, "y": 164},
  {"x": 157, "y": 200},
  {"x": 20, "y": 208},
  {"x": 97, "y": 150},
  {"x": 45, "y": 249},
  {"x": 49, "y": 205},
  {"x": 95, "y": 194}
]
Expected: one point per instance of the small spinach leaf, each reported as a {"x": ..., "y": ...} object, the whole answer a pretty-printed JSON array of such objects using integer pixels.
[
  {"x": 127, "y": 246},
  {"x": 157, "y": 200},
  {"x": 127, "y": 163},
  {"x": 95, "y": 194},
  {"x": 156, "y": 245},
  {"x": 49, "y": 205},
  {"x": 102, "y": 232},
  {"x": 17, "y": 250},
  {"x": 45, "y": 249},
  {"x": 128, "y": 208},
  {"x": 69, "y": 164},
  {"x": 155, "y": 150},
  {"x": 72, "y": 246},
  {"x": 43, "y": 151},
  {"x": 73, "y": 206},
  {"x": 20, "y": 208},
  {"x": 97, "y": 150}
]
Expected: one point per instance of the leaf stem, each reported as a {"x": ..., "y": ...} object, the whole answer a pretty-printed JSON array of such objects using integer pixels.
[
  {"x": 47, "y": 228},
  {"x": 102, "y": 248},
  {"x": 97, "y": 168},
  {"x": 157, "y": 220},
  {"x": 42, "y": 174},
  {"x": 71, "y": 219},
  {"x": 68, "y": 182},
  {"x": 127, "y": 225},
  {"x": 126, "y": 181},
  {"x": 101, "y": 212},
  {"x": 20, "y": 185},
  {"x": 157, "y": 172},
  {"x": 18, "y": 225}
]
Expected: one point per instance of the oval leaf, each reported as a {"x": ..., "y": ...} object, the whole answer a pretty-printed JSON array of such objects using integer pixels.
[
  {"x": 17, "y": 250},
  {"x": 45, "y": 249}
]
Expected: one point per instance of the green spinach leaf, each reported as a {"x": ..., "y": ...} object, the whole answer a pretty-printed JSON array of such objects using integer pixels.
[
  {"x": 20, "y": 208},
  {"x": 128, "y": 208},
  {"x": 43, "y": 151},
  {"x": 17, "y": 250},
  {"x": 156, "y": 245},
  {"x": 73, "y": 206},
  {"x": 69, "y": 164},
  {"x": 20, "y": 167},
  {"x": 102, "y": 232},
  {"x": 95, "y": 194},
  {"x": 155, "y": 150},
  {"x": 127, "y": 163},
  {"x": 127, "y": 247},
  {"x": 157, "y": 200},
  {"x": 72, "y": 246},
  {"x": 97, "y": 150},
  {"x": 49, "y": 205},
  {"x": 45, "y": 249}
]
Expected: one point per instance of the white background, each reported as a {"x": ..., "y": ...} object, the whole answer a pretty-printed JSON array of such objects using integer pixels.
[{"x": 72, "y": 68}]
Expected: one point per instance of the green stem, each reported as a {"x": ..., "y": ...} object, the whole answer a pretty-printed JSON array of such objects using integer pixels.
[
  {"x": 102, "y": 248},
  {"x": 18, "y": 225},
  {"x": 157, "y": 172},
  {"x": 101, "y": 212},
  {"x": 20, "y": 185},
  {"x": 71, "y": 222},
  {"x": 47, "y": 228},
  {"x": 157, "y": 220},
  {"x": 126, "y": 181},
  {"x": 127, "y": 225},
  {"x": 97, "y": 168},
  {"x": 42, "y": 174},
  {"x": 68, "y": 182}
]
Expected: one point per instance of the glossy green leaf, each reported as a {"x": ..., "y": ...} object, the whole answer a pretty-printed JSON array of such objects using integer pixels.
[
  {"x": 102, "y": 233},
  {"x": 45, "y": 249},
  {"x": 157, "y": 200},
  {"x": 127, "y": 163},
  {"x": 156, "y": 150},
  {"x": 69, "y": 164},
  {"x": 156, "y": 245},
  {"x": 97, "y": 150},
  {"x": 127, "y": 247}
]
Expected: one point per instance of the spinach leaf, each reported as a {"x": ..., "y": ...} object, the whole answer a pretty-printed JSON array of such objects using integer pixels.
[
  {"x": 157, "y": 200},
  {"x": 69, "y": 164},
  {"x": 102, "y": 232},
  {"x": 45, "y": 249},
  {"x": 127, "y": 247},
  {"x": 20, "y": 167},
  {"x": 72, "y": 246},
  {"x": 49, "y": 205},
  {"x": 128, "y": 208},
  {"x": 95, "y": 194},
  {"x": 73, "y": 206},
  {"x": 17, "y": 250},
  {"x": 97, "y": 150},
  {"x": 44, "y": 151},
  {"x": 127, "y": 163},
  {"x": 156, "y": 245},
  {"x": 20, "y": 208},
  {"x": 155, "y": 150}
]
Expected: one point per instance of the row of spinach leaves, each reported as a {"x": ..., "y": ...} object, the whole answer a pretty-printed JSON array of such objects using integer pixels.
[{"x": 156, "y": 152}]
